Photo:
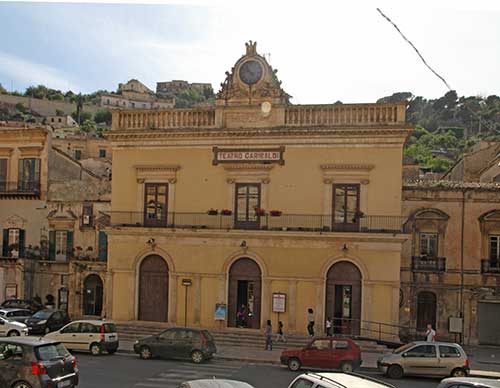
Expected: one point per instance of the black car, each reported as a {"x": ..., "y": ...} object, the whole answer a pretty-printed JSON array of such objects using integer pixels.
[
  {"x": 34, "y": 363},
  {"x": 28, "y": 304},
  {"x": 195, "y": 344},
  {"x": 45, "y": 321}
]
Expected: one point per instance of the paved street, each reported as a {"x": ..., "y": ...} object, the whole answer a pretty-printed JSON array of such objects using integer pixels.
[{"x": 128, "y": 371}]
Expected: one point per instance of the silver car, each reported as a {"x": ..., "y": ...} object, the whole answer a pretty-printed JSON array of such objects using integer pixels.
[
  {"x": 469, "y": 382},
  {"x": 427, "y": 359},
  {"x": 12, "y": 328},
  {"x": 215, "y": 383},
  {"x": 13, "y": 314}
]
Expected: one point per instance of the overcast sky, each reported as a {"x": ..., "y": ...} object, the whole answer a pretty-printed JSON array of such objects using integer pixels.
[{"x": 324, "y": 51}]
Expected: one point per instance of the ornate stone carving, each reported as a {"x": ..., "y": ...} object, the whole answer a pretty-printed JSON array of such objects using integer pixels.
[
  {"x": 167, "y": 172},
  {"x": 365, "y": 181},
  {"x": 266, "y": 181},
  {"x": 140, "y": 180},
  {"x": 14, "y": 222},
  {"x": 327, "y": 181},
  {"x": 230, "y": 180}
]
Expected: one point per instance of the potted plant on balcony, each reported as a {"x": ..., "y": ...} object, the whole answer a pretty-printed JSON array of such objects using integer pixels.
[
  {"x": 259, "y": 211},
  {"x": 275, "y": 213},
  {"x": 14, "y": 250},
  {"x": 226, "y": 212},
  {"x": 212, "y": 212},
  {"x": 359, "y": 214}
]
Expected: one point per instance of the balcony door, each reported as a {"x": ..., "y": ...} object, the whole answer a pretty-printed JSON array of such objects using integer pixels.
[
  {"x": 247, "y": 200},
  {"x": 345, "y": 207},
  {"x": 155, "y": 204},
  {"x": 29, "y": 174}
]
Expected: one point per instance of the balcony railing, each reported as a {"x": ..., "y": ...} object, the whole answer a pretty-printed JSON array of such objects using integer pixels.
[
  {"x": 428, "y": 264},
  {"x": 164, "y": 118},
  {"x": 284, "y": 222},
  {"x": 20, "y": 188},
  {"x": 490, "y": 266}
]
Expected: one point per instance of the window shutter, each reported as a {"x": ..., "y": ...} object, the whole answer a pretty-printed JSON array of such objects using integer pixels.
[
  {"x": 5, "y": 246},
  {"x": 52, "y": 245},
  {"x": 20, "y": 175},
  {"x": 69, "y": 244},
  {"x": 103, "y": 246},
  {"x": 22, "y": 242},
  {"x": 37, "y": 171}
]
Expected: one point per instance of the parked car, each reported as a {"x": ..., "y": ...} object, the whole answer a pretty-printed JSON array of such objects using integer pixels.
[
  {"x": 28, "y": 304},
  {"x": 14, "y": 314},
  {"x": 337, "y": 380},
  {"x": 12, "y": 328},
  {"x": 324, "y": 352},
  {"x": 33, "y": 363},
  {"x": 92, "y": 335},
  {"x": 45, "y": 321},
  {"x": 469, "y": 382},
  {"x": 215, "y": 383},
  {"x": 195, "y": 344},
  {"x": 427, "y": 359}
]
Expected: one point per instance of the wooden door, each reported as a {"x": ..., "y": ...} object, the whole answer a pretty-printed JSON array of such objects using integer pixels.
[{"x": 153, "y": 289}]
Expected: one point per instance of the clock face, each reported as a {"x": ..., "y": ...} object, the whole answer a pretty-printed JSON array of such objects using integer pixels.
[{"x": 251, "y": 72}]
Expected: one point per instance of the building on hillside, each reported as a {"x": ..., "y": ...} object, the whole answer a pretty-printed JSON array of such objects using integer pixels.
[
  {"x": 260, "y": 203},
  {"x": 170, "y": 89},
  {"x": 83, "y": 145},
  {"x": 135, "y": 95},
  {"x": 61, "y": 121}
]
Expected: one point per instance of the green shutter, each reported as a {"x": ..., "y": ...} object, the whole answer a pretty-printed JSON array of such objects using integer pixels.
[
  {"x": 102, "y": 246},
  {"x": 5, "y": 246},
  {"x": 52, "y": 245},
  {"x": 69, "y": 245},
  {"x": 22, "y": 242},
  {"x": 20, "y": 175}
]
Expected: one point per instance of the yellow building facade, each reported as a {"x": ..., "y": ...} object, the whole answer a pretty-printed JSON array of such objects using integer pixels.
[{"x": 258, "y": 202}]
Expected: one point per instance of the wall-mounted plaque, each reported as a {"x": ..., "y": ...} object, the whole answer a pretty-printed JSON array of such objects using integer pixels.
[{"x": 248, "y": 155}]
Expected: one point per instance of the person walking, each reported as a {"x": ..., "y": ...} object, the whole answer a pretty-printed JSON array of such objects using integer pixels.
[
  {"x": 280, "y": 335},
  {"x": 269, "y": 335},
  {"x": 328, "y": 327},
  {"x": 430, "y": 334},
  {"x": 310, "y": 320}
]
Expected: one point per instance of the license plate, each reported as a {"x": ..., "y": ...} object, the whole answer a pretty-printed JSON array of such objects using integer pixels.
[
  {"x": 112, "y": 337},
  {"x": 64, "y": 384}
]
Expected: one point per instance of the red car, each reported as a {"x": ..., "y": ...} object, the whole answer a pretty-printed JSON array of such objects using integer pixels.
[{"x": 325, "y": 352}]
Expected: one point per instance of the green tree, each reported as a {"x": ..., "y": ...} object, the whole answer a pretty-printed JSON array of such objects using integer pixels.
[
  {"x": 83, "y": 116},
  {"x": 59, "y": 112},
  {"x": 103, "y": 116},
  {"x": 20, "y": 107},
  {"x": 88, "y": 125},
  {"x": 2, "y": 90}
]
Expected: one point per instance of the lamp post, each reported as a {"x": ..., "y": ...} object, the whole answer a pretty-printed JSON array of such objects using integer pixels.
[{"x": 186, "y": 283}]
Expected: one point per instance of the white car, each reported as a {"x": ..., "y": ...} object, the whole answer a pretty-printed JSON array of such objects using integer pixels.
[
  {"x": 91, "y": 335},
  {"x": 12, "y": 328},
  {"x": 215, "y": 383},
  {"x": 337, "y": 380}
]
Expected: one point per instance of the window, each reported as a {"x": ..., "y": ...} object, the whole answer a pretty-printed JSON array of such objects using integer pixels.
[
  {"x": 60, "y": 120},
  {"x": 102, "y": 153},
  {"x": 78, "y": 154},
  {"x": 88, "y": 328},
  {"x": 426, "y": 309},
  {"x": 133, "y": 104},
  {"x": 102, "y": 246},
  {"x": 87, "y": 219},
  {"x": 168, "y": 335},
  {"x": 340, "y": 345},
  {"x": 428, "y": 244},
  {"x": 3, "y": 174},
  {"x": 247, "y": 204},
  {"x": 155, "y": 204},
  {"x": 61, "y": 245},
  {"x": 73, "y": 328},
  {"x": 29, "y": 173},
  {"x": 10, "y": 351},
  {"x": 346, "y": 212},
  {"x": 302, "y": 383},
  {"x": 428, "y": 351},
  {"x": 321, "y": 345},
  {"x": 449, "y": 352},
  {"x": 13, "y": 242},
  {"x": 494, "y": 250}
]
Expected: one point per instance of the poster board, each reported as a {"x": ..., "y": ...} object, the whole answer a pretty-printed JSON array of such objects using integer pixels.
[
  {"x": 279, "y": 302},
  {"x": 220, "y": 312}
]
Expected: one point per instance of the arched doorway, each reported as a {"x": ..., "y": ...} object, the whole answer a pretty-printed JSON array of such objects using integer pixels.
[
  {"x": 343, "y": 297},
  {"x": 245, "y": 288},
  {"x": 426, "y": 309},
  {"x": 92, "y": 295},
  {"x": 153, "y": 289}
]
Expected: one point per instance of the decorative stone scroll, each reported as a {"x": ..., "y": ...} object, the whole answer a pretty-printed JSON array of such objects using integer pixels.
[
  {"x": 163, "y": 173},
  {"x": 248, "y": 172},
  {"x": 346, "y": 173}
]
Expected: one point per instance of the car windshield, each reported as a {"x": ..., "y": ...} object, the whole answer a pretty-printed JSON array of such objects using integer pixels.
[
  {"x": 42, "y": 314},
  {"x": 401, "y": 349},
  {"x": 51, "y": 351},
  {"x": 109, "y": 328},
  {"x": 207, "y": 335}
]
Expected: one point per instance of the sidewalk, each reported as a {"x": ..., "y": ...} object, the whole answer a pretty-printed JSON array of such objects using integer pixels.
[{"x": 261, "y": 356}]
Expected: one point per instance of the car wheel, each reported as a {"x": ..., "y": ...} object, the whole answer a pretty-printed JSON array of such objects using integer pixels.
[
  {"x": 395, "y": 372},
  {"x": 294, "y": 364},
  {"x": 145, "y": 353},
  {"x": 346, "y": 367},
  {"x": 458, "y": 372},
  {"x": 197, "y": 357},
  {"x": 13, "y": 333},
  {"x": 95, "y": 349},
  {"x": 21, "y": 384}
]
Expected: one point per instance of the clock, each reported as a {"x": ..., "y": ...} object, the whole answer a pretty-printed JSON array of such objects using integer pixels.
[{"x": 251, "y": 72}]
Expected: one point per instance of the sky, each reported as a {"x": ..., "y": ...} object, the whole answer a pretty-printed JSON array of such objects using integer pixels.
[{"x": 324, "y": 51}]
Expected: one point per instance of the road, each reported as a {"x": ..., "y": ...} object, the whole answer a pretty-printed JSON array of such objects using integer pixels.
[{"x": 128, "y": 371}]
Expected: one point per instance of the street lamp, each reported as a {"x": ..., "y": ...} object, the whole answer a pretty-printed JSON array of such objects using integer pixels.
[{"x": 186, "y": 283}]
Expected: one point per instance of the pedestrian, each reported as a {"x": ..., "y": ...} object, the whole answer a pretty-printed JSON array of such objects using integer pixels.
[
  {"x": 280, "y": 335},
  {"x": 328, "y": 327},
  {"x": 269, "y": 335},
  {"x": 310, "y": 320},
  {"x": 430, "y": 334},
  {"x": 241, "y": 316}
]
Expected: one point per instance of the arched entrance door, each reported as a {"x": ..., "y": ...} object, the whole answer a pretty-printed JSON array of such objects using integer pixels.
[
  {"x": 92, "y": 295},
  {"x": 153, "y": 289},
  {"x": 245, "y": 289},
  {"x": 426, "y": 309},
  {"x": 343, "y": 297}
]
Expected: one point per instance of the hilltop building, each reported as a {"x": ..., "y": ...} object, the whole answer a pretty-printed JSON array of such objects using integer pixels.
[{"x": 135, "y": 95}]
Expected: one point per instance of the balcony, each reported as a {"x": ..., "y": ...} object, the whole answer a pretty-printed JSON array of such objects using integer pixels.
[
  {"x": 20, "y": 189},
  {"x": 283, "y": 223},
  {"x": 490, "y": 266},
  {"x": 428, "y": 264}
]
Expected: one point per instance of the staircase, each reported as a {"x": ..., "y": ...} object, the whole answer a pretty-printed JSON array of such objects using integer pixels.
[{"x": 234, "y": 337}]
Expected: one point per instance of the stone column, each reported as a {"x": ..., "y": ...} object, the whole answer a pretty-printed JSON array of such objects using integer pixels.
[
  {"x": 265, "y": 302},
  {"x": 319, "y": 315},
  {"x": 108, "y": 295},
  {"x": 197, "y": 299},
  {"x": 292, "y": 305},
  {"x": 172, "y": 300},
  {"x": 2, "y": 283},
  {"x": 366, "y": 303}
]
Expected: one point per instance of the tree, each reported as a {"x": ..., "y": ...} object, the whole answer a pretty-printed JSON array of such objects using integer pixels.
[
  {"x": 83, "y": 116},
  {"x": 59, "y": 112},
  {"x": 88, "y": 125},
  {"x": 20, "y": 107},
  {"x": 2, "y": 90},
  {"x": 103, "y": 116}
]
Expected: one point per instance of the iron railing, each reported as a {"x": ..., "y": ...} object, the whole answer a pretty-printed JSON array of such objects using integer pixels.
[
  {"x": 283, "y": 222},
  {"x": 490, "y": 266},
  {"x": 20, "y": 188},
  {"x": 428, "y": 264}
]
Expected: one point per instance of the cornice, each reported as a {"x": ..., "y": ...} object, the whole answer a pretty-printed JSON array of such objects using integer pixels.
[
  {"x": 247, "y": 166},
  {"x": 350, "y": 166},
  {"x": 157, "y": 168}
]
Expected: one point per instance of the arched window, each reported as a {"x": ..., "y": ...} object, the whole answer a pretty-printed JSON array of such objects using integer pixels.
[{"x": 426, "y": 309}]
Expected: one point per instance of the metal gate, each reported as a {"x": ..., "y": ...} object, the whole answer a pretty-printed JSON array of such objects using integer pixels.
[{"x": 487, "y": 322}]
